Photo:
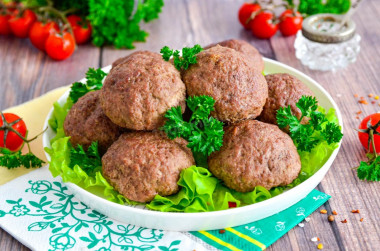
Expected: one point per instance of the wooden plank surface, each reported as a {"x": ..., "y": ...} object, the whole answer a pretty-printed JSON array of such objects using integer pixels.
[{"x": 26, "y": 73}]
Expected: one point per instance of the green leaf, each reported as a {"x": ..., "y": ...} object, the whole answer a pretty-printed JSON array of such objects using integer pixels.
[
  {"x": 2, "y": 213},
  {"x": 369, "y": 170},
  {"x": 188, "y": 56},
  {"x": 85, "y": 239},
  {"x": 35, "y": 204},
  {"x": 94, "y": 81},
  {"x": 11, "y": 202}
]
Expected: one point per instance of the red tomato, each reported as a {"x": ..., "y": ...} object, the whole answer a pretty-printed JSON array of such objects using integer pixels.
[
  {"x": 40, "y": 32},
  {"x": 245, "y": 13},
  {"x": 263, "y": 25},
  {"x": 60, "y": 46},
  {"x": 20, "y": 26},
  {"x": 290, "y": 23},
  {"x": 4, "y": 26},
  {"x": 81, "y": 29},
  {"x": 363, "y": 137},
  {"x": 13, "y": 142}
]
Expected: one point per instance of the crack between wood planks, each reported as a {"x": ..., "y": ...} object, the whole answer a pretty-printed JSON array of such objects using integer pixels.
[
  {"x": 273, "y": 55},
  {"x": 333, "y": 224},
  {"x": 192, "y": 33},
  {"x": 100, "y": 57}
]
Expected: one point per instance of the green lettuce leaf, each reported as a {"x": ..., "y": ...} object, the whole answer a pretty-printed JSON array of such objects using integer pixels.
[
  {"x": 58, "y": 118},
  {"x": 202, "y": 192}
]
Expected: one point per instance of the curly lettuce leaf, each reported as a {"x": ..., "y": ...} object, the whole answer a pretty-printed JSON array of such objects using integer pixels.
[
  {"x": 203, "y": 192},
  {"x": 58, "y": 118}
]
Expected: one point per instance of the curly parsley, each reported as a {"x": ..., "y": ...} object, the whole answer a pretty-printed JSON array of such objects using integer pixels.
[
  {"x": 307, "y": 136},
  {"x": 12, "y": 160},
  {"x": 370, "y": 170},
  {"x": 204, "y": 133},
  {"x": 90, "y": 160},
  {"x": 94, "y": 81},
  {"x": 188, "y": 56}
]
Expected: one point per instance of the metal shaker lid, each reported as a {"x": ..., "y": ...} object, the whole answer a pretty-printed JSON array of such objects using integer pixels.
[{"x": 327, "y": 28}]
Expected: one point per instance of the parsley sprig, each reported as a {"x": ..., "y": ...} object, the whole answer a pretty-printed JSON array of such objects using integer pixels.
[
  {"x": 94, "y": 82},
  {"x": 204, "y": 133},
  {"x": 189, "y": 56},
  {"x": 90, "y": 160},
  {"x": 307, "y": 136}
]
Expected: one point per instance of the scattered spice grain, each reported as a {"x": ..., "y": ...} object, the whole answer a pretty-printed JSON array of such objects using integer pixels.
[
  {"x": 222, "y": 231},
  {"x": 359, "y": 112},
  {"x": 318, "y": 239},
  {"x": 361, "y": 220},
  {"x": 370, "y": 95},
  {"x": 331, "y": 218},
  {"x": 344, "y": 221},
  {"x": 334, "y": 212},
  {"x": 363, "y": 101},
  {"x": 356, "y": 95},
  {"x": 356, "y": 211},
  {"x": 373, "y": 102},
  {"x": 320, "y": 246},
  {"x": 376, "y": 97},
  {"x": 323, "y": 211}
]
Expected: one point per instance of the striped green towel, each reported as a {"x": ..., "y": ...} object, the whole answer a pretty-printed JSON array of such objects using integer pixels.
[{"x": 261, "y": 234}]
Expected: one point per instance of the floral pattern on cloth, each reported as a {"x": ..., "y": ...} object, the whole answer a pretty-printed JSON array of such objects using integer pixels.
[{"x": 71, "y": 225}]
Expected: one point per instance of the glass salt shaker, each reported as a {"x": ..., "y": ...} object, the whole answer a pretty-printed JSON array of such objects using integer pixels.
[{"x": 325, "y": 44}]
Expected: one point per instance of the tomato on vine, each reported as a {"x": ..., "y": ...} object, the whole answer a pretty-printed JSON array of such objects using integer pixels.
[
  {"x": 20, "y": 23},
  {"x": 81, "y": 29},
  {"x": 290, "y": 22},
  {"x": 369, "y": 132},
  {"x": 264, "y": 25},
  {"x": 60, "y": 46},
  {"x": 4, "y": 25},
  {"x": 10, "y": 139},
  {"x": 247, "y": 12},
  {"x": 40, "y": 32}
]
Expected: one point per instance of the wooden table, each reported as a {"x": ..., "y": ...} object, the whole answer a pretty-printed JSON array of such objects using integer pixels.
[{"x": 26, "y": 73}]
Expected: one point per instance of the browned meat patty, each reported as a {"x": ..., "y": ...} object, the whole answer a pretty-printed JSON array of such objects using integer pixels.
[
  {"x": 86, "y": 123},
  {"x": 239, "y": 89},
  {"x": 255, "y": 154},
  {"x": 246, "y": 49},
  {"x": 139, "y": 90},
  {"x": 283, "y": 90},
  {"x": 140, "y": 165}
]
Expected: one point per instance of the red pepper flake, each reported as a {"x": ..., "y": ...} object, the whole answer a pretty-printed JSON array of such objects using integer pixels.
[
  {"x": 222, "y": 231},
  {"x": 370, "y": 95},
  {"x": 334, "y": 212},
  {"x": 357, "y": 117},
  {"x": 361, "y": 220},
  {"x": 355, "y": 211},
  {"x": 344, "y": 221},
  {"x": 318, "y": 239},
  {"x": 231, "y": 204},
  {"x": 363, "y": 101},
  {"x": 373, "y": 102},
  {"x": 359, "y": 112},
  {"x": 356, "y": 95},
  {"x": 361, "y": 98}
]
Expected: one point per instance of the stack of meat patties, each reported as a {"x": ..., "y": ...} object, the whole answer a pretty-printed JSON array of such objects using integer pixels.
[{"x": 126, "y": 114}]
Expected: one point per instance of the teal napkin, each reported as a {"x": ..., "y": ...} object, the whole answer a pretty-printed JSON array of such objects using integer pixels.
[{"x": 261, "y": 234}]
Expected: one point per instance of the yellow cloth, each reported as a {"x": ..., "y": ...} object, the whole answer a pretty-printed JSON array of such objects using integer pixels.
[{"x": 34, "y": 114}]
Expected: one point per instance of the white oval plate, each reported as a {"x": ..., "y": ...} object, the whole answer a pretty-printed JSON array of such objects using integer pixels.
[{"x": 218, "y": 219}]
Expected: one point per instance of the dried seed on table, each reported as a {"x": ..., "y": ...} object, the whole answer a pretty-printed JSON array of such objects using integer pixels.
[
  {"x": 323, "y": 211},
  {"x": 331, "y": 218},
  {"x": 356, "y": 95},
  {"x": 222, "y": 231},
  {"x": 361, "y": 220},
  {"x": 356, "y": 211},
  {"x": 370, "y": 95},
  {"x": 373, "y": 102},
  {"x": 320, "y": 246},
  {"x": 344, "y": 221},
  {"x": 359, "y": 112},
  {"x": 314, "y": 239},
  {"x": 376, "y": 97},
  {"x": 334, "y": 212},
  {"x": 363, "y": 101}
]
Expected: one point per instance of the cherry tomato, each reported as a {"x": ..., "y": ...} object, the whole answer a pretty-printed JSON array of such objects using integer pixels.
[
  {"x": 245, "y": 13},
  {"x": 40, "y": 32},
  {"x": 263, "y": 25},
  {"x": 13, "y": 142},
  {"x": 4, "y": 26},
  {"x": 290, "y": 23},
  {"x": 20, "y": 25},
  {"x": 363, "y": 137},
  {"x": 60, "y": 46},
  {"x": 81, "y": 29}
]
